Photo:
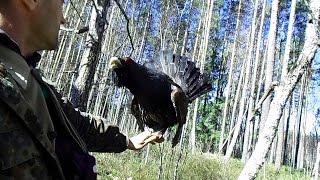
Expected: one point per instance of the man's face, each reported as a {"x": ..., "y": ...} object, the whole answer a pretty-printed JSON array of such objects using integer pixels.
[{"x": 47, "y": 23}]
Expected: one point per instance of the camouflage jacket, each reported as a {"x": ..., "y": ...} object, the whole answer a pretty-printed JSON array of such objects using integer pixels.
[{"x": 33, "y": 116}]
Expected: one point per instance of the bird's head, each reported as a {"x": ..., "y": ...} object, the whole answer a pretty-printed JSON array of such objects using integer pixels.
[{"x": 120, "y": 68}]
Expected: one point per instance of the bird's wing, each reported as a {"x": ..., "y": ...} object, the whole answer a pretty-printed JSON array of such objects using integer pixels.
[
  {"x": 136, "y": 111},
  {"x": 173, "y": 66},
  {"x": 180, "y": 104},
  {"x": 184, "y": 72}
]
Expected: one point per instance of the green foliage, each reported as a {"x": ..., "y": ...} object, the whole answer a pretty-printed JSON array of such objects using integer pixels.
[
  {"x": 269, "y": 172},
  {"x": 202, "y": 168},
  {"x": 198, "y": 166},
  {"x": 212, "y": 65},
  {"x": 206, "y": 128}
]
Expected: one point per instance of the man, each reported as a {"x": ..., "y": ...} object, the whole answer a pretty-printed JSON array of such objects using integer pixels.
[{"x": 41, "y": 135}]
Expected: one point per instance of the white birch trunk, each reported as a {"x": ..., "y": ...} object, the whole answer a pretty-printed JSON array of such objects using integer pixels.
[
  {"x": 270, "y": 58},
  {"x": 279, "y": 152},
  {"x": 315, "y": 172},
  {"x": 289, "y": 39},
  {"x": 83, "y": 69}
]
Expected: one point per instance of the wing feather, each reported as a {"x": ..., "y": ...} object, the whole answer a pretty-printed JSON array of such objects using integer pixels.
[
  {"x": 180, "y": 104},
  {"x": 184, "y": 72},
  {"x": 137, "y": 113}
]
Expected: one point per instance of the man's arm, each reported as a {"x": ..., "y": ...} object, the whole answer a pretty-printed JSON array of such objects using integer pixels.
[
  {"x": 97, "y": 136},
  {"x": 101, "y": 138}
]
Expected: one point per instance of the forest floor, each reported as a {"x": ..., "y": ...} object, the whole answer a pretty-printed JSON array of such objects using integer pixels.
[{"x": 133, "y": 165}]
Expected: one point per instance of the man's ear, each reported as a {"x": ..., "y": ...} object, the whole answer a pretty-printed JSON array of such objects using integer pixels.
[{"x": 31, "y": 4}]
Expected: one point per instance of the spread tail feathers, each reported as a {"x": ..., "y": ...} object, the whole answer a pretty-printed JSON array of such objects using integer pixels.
[{"x": 185, "y": 73}]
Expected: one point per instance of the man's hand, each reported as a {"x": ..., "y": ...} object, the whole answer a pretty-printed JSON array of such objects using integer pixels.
[{"x": 139, "y": 141}]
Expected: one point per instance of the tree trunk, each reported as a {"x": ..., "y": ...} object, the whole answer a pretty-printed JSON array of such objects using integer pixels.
[
  {"x": 286, "y": 134},
  {"x": 272, "y": 151},
  {"x": 270, "y": 58},
  {"x": 302, "y": 142},
  {"x": 242, "y": 106},
  {"x": 234, "y": 108},
  {"x": 315, "y": 172},
  {"x": 193, "y": 128},
  {"x": 260, "y": 82},
  {"x": 236, "y": 98},
  {"x": 279, "y": 152},
  {"x": 90, "y": 58},
  {"x": 299, "y": 120}
]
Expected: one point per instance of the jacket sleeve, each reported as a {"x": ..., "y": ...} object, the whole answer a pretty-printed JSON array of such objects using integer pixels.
[{"x": 92, "y": 129}]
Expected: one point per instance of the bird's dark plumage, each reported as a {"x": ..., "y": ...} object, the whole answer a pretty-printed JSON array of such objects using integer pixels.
[{"x": 161, "y": 98}]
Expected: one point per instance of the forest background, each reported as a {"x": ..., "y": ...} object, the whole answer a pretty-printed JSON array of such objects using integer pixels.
[{"x": 263, "y": 59}]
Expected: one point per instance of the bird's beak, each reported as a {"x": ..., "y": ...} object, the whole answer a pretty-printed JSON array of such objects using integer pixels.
[{"x": 114, "y": 63}]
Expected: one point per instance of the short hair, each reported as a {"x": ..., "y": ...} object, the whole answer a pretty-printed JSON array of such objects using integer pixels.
[{"x": 4, "y": 3}]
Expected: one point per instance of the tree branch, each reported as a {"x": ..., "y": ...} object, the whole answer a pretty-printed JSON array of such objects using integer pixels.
[
  {"x": 264, "y": 97},
  {"x": 76, "y": 10},
  {"x": 128, "y": 23}
]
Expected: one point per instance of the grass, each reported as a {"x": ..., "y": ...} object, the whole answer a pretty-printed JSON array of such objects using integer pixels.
[{"x": 131, "y": 165}]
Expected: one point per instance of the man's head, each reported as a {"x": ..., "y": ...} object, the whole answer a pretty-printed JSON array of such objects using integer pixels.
[{"x": 33, "y": 24}]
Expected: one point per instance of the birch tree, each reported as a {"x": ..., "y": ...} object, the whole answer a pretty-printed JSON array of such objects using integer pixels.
[
  {"x": 90, "y": 58},
  {"x": 315, "y": 172},
  {"x": 270, "y": 58}
]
